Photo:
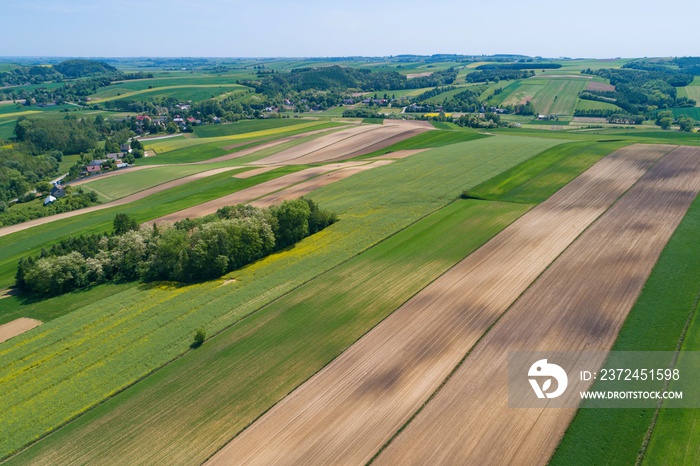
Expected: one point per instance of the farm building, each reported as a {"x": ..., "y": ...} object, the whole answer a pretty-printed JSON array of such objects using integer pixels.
[
  {"x": 94, "y": 166},
  {"x": 116, "y": 155},
  {"x": 126, "y": 148},
  {"x": 58, "y": 192},
  {"x": 49, "y": 200}
]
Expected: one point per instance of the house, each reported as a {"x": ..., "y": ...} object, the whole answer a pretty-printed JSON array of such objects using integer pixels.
[
  {"x": 49, "y": 200},
  {"x": 183, "y": 106},
  {"x": 217, "y": 120},
  {"x": 115, "y": 155},
  {"x": 121, "y": 164},
  {"x": 125, "y": 148},
  {"x": 58, "y": 192},
  {"x": 95, "y": 166},
  {"x": 193, "y": 120},
  {"x": 542, "y": 117}
]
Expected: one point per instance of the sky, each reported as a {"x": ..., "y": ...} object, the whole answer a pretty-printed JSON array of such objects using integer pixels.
[{"x": 315, "y": 28}]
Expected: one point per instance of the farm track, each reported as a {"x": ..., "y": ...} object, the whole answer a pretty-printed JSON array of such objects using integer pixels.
[
  {"x": 345, "y": 144},
  {"x": 357, "y": 403},
  {"x": 579, "y": 303},
  {"x": 254, "y": 192},
  {"x": 17, "y": 327},
  {"x": 124, "y": 200}
]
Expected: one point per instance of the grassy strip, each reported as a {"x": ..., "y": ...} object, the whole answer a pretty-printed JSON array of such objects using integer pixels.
[
  {"x": 614, "y": 436},
  {"x": 389, "y": 274},
  {"x": 243, "y": 126},
  {"x": 30, "y": 241},
  {"x": 188, "y": 150},
  {"x": 536, "y": 179},
  {"x": 429, "y": 140},
  {"x": 72, "y": 363}
]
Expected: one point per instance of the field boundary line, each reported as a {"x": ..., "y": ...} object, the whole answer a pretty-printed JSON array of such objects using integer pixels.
[
  {"x": 679, "y": 344},
  {"x": 213, "y": 335},
  {"x": 495, "y": 322},
  {"x": 380, "y": 321}
]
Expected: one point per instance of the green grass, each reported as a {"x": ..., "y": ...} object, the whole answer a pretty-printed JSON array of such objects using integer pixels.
[
  {"x": 30, "y": 241},
  {"x": 692, "y": 112},
  {"x": 595, "y": 105},
  {"x": 692, "y": 91},
  {"x": 538, "y": 178},
  {"x": 122, "y": 185},
  {"x": 388, "y": 274},
  {"x": 105, "y": 346},
  {"x": 243, "y": 126},
  {"x": 614, "y": 436},
  {"x": 553, "y": 96}
]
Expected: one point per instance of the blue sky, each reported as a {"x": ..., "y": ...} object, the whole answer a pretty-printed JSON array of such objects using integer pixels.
[{"x": 273, "y": 28}]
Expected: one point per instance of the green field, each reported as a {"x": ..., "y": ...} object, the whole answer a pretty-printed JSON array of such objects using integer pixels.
[
  {"x": 655, "y": 323},
  {"x": 244, "y": 126},
  {"x": 583, "y": 104},
  {"x": 30, "y": 241},
  {"x": 115, "y": 187},
  {"x": 183, "y": 92},
  {"x": 691, "y": 91},
  {"x": 430, "y": 139},
  {"x": 152, "y": 325},
  {"x": 536, "y": 179},
  {"x": 389, "y": 274},
  {"x": 553, "y": 96},
  {"x": 692, "y": 112}
]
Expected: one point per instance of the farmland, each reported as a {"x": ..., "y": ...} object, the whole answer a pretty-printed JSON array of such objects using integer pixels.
[
  {"x": 467, "y": 228},
  {"x": 159, "y": 310}
]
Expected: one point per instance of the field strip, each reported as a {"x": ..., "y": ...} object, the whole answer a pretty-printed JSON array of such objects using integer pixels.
[
  {"x": 345, "y": 144},
  {"x": 124, "y": 200},
  {"x": 267, "y": 145},
  {"x": 354, "y": 405},
  {"x": 305, "y": 187},
  {"x": 111, "y": 174},
  {"x": 254, "y": 192},
  {"x": 399, "y": 154},
  {"x": 163, "y": 88},
  {"x": 17, "y": 327},
  {"x": 253, "y": 172},
  {"x": 579, "y": 303}
]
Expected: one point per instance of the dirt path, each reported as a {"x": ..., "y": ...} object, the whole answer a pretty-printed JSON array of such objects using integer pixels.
[
  {"x": 347, "y": 143},
  {"x": 354, "y": 405},
  {"x": 399, "y": 154},
  {"x": 305, "y": 187},
  {"x": 17, "y": 327},
  {"x": 579, "y": 303},
  {"x": 124, "y": 200},
  {"x": 254, "y": 192}
]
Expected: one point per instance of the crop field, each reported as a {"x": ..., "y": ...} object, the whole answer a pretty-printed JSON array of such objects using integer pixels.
[
  {"x": 30, "y": 241},
  {"x": 691, "y": 91},
  {"x": 116, "y": 187},
  {"x": 595, "y": 280},
  {"x": 387, "y": 375},
  {"x": 349, "y": 143},
  {"x": 655, "y": 323},
  {"x": 193, "y": 92},
  {"x": 583, "y": 104},
  {"x": 244, "y": 126},
  {"x": 553, "y": 96},
  {"x": 693, "y": 112},
  {"x": 538, "y": 178},
  {"x": 385, "y": 200}
]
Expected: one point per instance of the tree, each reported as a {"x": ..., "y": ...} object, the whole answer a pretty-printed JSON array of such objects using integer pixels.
[
  {"x": 43, "y": 187},
  {"x": 124, "y": 223},
  {"x": 686, "y": 123},
  {"x": 199, "y": 336}
]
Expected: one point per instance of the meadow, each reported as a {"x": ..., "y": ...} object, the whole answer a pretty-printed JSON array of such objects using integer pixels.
[
  {"x": 655, "y": 323},
  {"x": 152, "y": 325},
  {"x": 583, "y": 104},
  {"x": 194, "y": 92},
  {"x": 692, "y": 91}
]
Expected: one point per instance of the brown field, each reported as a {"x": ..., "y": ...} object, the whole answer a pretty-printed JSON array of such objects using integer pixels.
[
  {"x": 347, "y": 143},
  {"x": 595, "y": 86},
  {"x": 17, "y": 327},
  {"x": 305, "y": 187},
  {"x": 254, "y": 192},
  {"x": 399, "y": 154},
  {"x": 580, "y": 302},
  {"x": 124, "y": 200},
  {"x": 253, "y": 172},
  {"x": 359, "y": 401},
  {"x": 418, "y": 75}
]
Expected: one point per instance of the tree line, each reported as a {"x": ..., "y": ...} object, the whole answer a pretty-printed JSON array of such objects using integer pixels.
[{"x": 189, "y": 251}]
